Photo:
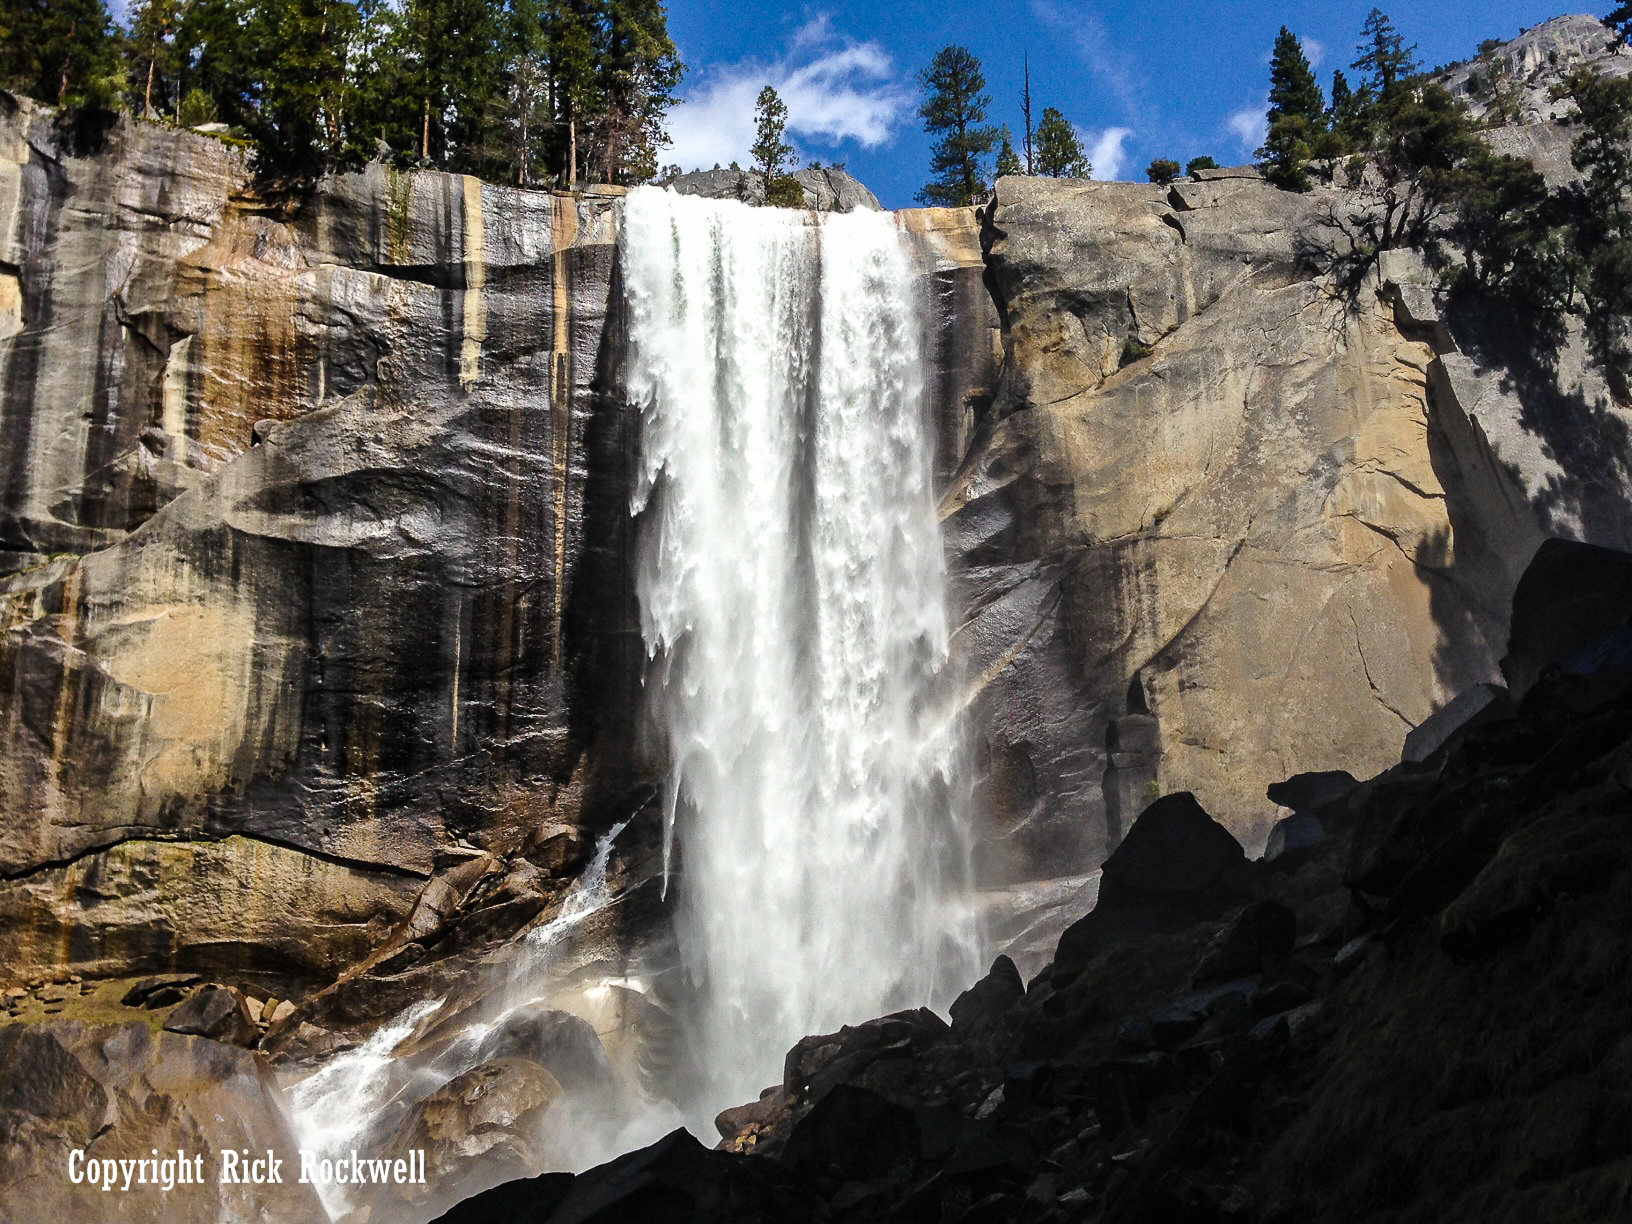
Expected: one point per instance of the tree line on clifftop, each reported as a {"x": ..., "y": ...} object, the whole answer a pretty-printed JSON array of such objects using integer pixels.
[
  {"x": 1421, "y": 177},
  {"x": 529, "y": 91}
]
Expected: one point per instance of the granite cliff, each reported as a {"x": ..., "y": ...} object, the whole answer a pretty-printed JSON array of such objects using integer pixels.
[{"x": 320, "y": 669}]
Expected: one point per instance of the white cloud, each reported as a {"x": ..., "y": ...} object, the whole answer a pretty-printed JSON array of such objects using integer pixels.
[
  {"x": 1106, "y": 153},
  {"x": 835, "y": 90},
  {"x": 1314, "y": 51},
  {"x": 1249, "y": 127}
]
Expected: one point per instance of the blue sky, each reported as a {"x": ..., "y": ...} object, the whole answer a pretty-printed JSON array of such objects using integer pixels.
[{"x": 1140, "y": 80}]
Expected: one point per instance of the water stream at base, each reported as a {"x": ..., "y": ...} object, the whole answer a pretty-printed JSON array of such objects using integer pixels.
[{"x": 793, "y": 599}]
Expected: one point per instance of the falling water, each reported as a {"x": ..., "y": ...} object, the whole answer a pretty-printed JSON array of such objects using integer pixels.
[{"x": 792, "y": 591}]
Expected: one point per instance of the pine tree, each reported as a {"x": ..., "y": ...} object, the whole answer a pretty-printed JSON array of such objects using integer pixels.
[
  {"x": 305, "y": 85},
  {"x": 1162, "y": 171},
  {"x": 954, "y": 112},
  {"x": 152, "y": 53},
  {"x": 1349, "y": 115},
  {"x": 64, "y": 52},
  {"x": 638, "y": 72},
  {"x": 1008, "y": 161},
  {"x": 1620, "y": 21},
  {"x": 771, "y": 153},
  {"x": 1297, "y": 115},
  {"x": 1384, "y": 57},
  {"x": 449, "y": 74},
  {"x": 1059, "y": 149},
  {"x": 1293, "y": 89},
  {"x": 1203, "y": 162},
  {"x": 573, "y": 33}
]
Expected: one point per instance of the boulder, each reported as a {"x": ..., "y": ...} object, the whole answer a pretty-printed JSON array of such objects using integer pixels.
[
  {"x": 217, "y": 1012},
  {"x": 852, "y": 1134},
  {"x": 160, "y": 991},
  {"x": 1258, "y": 936},
  {"x": 525, "y": 1201},
  {"x": 1307, "y": 792},
  {"x": 122, "y": 1091},
  {"x": 1297, "y": 832},
  {"x": 1469, "y": 708},
  {"x": 990, "y": 997},
  {"x": 1572, "y": 599},
  {"x": 675, "y": 1181},
  {"x": 479, "y": 1129},
  {"x": 1174, "y": 848},
  {"x": 1175, "y": 868}
]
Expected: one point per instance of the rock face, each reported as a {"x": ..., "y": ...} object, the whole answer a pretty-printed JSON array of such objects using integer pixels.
[
  {"x": 1219, "y": 513},
  {"x": 314, "y": 521},
  {"x": 122, "y": 1091},
  {"x": 826, "y": 188}
]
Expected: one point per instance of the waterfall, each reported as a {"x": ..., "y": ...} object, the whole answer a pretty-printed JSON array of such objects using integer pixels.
[{"x": 793, "y": 601}]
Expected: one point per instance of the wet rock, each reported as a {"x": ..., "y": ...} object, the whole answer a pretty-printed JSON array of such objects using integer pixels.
[
  {"x": 990, "y": 997},
  {"x": 217, "y": 1012},
  {"x": 121, "y": 1091},
  {"x": 559, "y": 1041},
  {"x": 479, "y": 1129}
]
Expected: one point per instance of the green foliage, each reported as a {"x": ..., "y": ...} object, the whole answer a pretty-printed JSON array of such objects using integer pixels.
[
  {"x": 1383, "y": 56},
  {"x": 1059, "y": 149},
  {"x": 196, "y": 108},
  {"x": 1293, "y": 89},
  {"x": 529, "y": 89},
  {"x": 1132, "y": 351},
  {"x": 954, "y": 113},
  {"x": 1493, "y": 83},
  {"x": 1297, "y": 116},
  {"x": 152, "y": 58},
  {"x": 1286, "y": 150},
  {"x": 65, "y": 52},
  {"x": 1008, "y": 161},
  {"x": 1599, "y": 214},
  {"x": 1620, "y": 21},
  {"x": 784, "y": 191},
  {"x": 1203, "y": 162},
  {"x": 770, "y": 151},
  {"x": 1350, "y": 112},
  {"x": 1163, "y": 170}
]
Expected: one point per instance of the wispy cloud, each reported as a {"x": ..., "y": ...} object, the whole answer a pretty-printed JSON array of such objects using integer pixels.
[
  {"x": 1106, "y": 153},
  {"x": 1314, "y": 51},
  {"x": 836, "y": 90},
  {"x": 1249, "y": 127},
  {"x": 1109, "y": 65}
]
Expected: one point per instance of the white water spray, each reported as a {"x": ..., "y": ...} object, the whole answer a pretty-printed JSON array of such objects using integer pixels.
[{"x": 792, "y": 590}]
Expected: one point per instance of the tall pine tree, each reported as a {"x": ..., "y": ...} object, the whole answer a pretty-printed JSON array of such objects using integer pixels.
[
  {"x": 638, "y": 72},
  {"x": 1059, "y": 149},
  {"x": 954, "y": 113},
  {"x": 1297, "y": 115},
  {"x": 1384, "y": 58},
  {"x": 63, "y": 52}
]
